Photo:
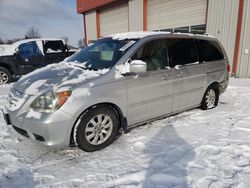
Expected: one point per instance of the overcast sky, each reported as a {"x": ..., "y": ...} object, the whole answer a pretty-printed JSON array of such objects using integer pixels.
[{"x": 53, "y": 18}]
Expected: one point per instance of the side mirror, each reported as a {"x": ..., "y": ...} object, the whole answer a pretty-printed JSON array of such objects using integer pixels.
[
  {"x": 137, "y": 66},
  {"x": 17, "y": 50}
]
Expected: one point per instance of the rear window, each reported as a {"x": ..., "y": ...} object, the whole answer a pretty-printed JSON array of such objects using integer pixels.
[
  {"x": 182, "y": 51},
  {"x": 211, "y": 50},
  {"x": 53, "y": 46}
]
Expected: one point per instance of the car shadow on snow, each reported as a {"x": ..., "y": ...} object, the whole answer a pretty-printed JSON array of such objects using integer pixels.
[
  {"x": 169, "y": 157},
  {"x": 21, "y": 178}
]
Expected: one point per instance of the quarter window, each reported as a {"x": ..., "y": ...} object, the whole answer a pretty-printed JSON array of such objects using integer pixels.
[
  {"x": 154, "y": 53},
  {"x": 181, "y": 51},
  {"x": 211, "y": 50}
]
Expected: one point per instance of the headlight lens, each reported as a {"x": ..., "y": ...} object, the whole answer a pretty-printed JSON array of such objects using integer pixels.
[{"x": 50, "y": 102}]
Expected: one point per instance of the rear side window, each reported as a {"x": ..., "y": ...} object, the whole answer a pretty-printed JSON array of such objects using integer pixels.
[
  {"x": 53, "y": 46},
  {"x": 182, "y": 51},
  {"x": 211, "y": 50}
]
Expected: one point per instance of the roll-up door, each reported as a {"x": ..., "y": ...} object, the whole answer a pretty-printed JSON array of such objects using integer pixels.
[
  {"x": 166, "y": 14},
  {"x": 114, "y": 20}
]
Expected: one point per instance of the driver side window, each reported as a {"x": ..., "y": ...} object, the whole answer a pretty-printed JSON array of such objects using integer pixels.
[
  {"x": 29, "y": 49},
  {"x": 154, "y": 53}
]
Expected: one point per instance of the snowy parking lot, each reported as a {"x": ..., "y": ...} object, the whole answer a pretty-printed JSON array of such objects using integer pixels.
[{"x": 192, "y": 149}]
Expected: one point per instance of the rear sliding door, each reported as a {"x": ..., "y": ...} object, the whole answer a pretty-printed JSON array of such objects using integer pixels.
[{"x": 189, "y": 73}]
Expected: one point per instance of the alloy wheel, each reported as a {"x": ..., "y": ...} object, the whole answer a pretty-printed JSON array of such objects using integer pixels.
[
  {"x": 4, "y": 78},
  {"x": 210, "y": 98},
  {"x": 99, "y": 129}
]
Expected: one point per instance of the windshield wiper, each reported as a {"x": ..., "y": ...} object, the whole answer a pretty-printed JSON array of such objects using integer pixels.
[{"x": 85, "y": 68}]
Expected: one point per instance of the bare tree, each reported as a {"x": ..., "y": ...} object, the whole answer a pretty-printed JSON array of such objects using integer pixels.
[
  {"x": 11, "y": 41},
  {"x": 80, "y": 43},
  {"x": 32, "y": 33},
  {"x": 66, "y": 39},
  {"x": 2, "y": 41}
]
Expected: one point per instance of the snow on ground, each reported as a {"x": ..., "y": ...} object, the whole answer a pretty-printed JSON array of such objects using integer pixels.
[{"x": 192, "y": 149}]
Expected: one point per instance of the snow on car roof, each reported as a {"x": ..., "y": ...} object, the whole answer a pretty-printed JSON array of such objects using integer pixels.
[
  {"x": 36, "y": 39},
  {"x": 142, "y": 34},
  {"x": 134, "y": 35},
  {"x": 10, "y": 49}
]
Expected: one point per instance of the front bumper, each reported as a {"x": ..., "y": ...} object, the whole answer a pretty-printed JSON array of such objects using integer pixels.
[{"x": 50, "y": 129}]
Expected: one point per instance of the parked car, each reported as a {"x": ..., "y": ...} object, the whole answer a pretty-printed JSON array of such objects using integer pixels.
[
  {"x": 25, "y": 56},
  {"x": 117, "y": 83}
]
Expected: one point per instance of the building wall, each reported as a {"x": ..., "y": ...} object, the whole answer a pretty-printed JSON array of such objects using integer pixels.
[
  {"x": 91, "y": 29},
  {"x": 114, "y": 19},
  {"x": 222, "y": 22},
  {"x": 244, "y": 53},
  {"x": 164, "y": 14},
  {"x": 88, "y": 5},
  {"x": 135, "y": 15}
]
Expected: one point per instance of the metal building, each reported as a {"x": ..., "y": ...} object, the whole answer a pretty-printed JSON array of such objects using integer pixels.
[{"x": 228, "y": 20}]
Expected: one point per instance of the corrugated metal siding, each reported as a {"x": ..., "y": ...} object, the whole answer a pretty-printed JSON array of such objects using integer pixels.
[
  {"x": 243, "y": 70},
  {"x": 90, "y": 18},
  {"x": 114, "y": 20},
  {"x": 165, "y": 14},
  {"x": 222, "y": 23},
  {"x": 135, "y": 15}
]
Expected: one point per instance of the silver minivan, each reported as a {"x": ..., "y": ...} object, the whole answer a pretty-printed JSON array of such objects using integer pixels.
[{"x": 116, "y": 83}]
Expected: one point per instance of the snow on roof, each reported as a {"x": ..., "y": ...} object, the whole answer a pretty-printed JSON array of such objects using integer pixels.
[
  {"x": 141, "y": 34},
  {"x": 134, "y": 35}
]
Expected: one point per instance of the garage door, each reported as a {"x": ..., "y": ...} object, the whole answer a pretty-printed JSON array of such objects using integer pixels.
[
  {"x": 166, "y": 14},
  {"x": 114, "y": 20}
]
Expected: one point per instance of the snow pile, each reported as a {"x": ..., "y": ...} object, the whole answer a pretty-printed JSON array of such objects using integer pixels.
[
  {"x": 49, "y": 50},
  {"x": 192, "y": 149}
]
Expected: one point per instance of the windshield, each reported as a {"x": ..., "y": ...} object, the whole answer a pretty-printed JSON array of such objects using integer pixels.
[{"x": 103, "y": 54}]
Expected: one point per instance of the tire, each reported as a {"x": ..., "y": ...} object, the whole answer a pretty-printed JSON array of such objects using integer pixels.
[
  {"x": 211, "y": 98},
  {"x": 98, "y": 128},
  {"x": 5, "y": 76}
]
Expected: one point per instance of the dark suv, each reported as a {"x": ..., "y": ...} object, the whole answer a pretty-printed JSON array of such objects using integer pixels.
[{"x": 25, "y": 56}]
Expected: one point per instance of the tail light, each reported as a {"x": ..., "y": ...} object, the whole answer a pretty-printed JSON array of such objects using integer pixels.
[{"x": 228, "y": 68}]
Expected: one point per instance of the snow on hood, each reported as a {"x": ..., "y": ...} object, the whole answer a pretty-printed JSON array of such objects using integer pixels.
[
  {"x": 55, "y": 78},
  {"x": 6, "y": 50}
]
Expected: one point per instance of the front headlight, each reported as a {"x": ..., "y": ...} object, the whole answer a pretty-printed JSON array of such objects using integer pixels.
[{"x": 50, "y": 102}]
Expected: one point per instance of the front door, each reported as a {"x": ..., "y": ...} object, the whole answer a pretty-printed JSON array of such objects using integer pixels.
[
  {"x": 189, "y": 73},
  {"x": 29, "y": 57},
  {"x": 150, "y": 93}
]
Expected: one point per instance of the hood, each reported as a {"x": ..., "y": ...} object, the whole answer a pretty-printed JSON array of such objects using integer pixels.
[
  {"x": 6, "y": 50},
  {"x": 55, "y": 78}
]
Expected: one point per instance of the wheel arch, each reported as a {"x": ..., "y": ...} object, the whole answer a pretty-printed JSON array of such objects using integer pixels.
[
  {"x": 4, "y": 65},
  {"x": 214, "y": 84}
]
